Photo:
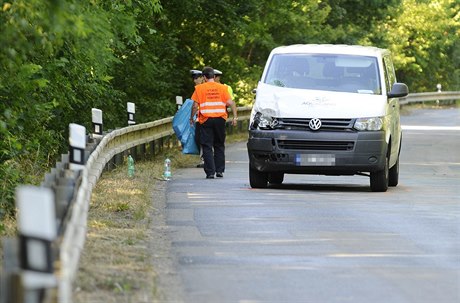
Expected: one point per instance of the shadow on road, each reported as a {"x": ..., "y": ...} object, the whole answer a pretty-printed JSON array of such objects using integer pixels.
[{"x": 322, "y": 187}]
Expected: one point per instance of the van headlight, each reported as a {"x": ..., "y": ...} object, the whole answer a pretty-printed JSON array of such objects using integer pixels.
[
  {"x": 370, "y": 124},
  {"x": 263, "y": 121}
]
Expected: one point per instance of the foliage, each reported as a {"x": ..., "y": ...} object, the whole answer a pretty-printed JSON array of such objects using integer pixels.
[
  {"x": 424, "y": 37},
  {"x": 57, "y": 65},
  {"x": 61, "y": 58}
]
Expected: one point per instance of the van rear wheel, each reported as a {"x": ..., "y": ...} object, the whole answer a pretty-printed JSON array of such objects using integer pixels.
[
  {"x": 257, "y": 179},
  {"x": 379, "y": 179}
]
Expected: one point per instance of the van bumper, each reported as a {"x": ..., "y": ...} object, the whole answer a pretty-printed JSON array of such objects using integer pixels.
[{"x": 327, "y": 153}]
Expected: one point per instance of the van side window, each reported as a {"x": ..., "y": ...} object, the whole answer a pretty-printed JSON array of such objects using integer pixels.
[{"x": 390, "y": 76}]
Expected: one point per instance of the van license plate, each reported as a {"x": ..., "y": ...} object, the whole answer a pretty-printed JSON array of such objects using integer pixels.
[{"x": 315, "y": 160}]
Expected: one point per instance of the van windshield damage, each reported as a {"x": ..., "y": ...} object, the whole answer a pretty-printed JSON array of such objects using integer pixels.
[{"x": 329, "y": 72}]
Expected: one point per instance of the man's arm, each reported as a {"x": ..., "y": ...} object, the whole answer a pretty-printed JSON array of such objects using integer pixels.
[
  {"x": 232, "y": 104},
  {"x": 194, "y": 110}
]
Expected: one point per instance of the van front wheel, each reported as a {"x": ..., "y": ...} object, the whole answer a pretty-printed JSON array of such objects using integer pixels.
[
  {"x": 276, "y": 178},
  {"x": 257, "y": 179},
  {"x": 379, "y": 179},
  {"x": 393, "y": 177}
]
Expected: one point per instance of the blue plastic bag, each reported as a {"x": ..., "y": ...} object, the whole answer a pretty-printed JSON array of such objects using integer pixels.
[
  {"x": 188, "y": 143},
  {"x": 184, "y": 131},
  {"x": 181, "y": 120}
]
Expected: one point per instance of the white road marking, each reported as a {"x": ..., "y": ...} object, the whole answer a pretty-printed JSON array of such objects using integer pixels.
[{"x": 425, "y": 127}]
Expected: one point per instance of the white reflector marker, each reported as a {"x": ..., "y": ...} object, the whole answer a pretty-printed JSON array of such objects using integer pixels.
[
  {"x": 97, "y": 121},
  {"x": 131, "y": 107},
  {"x": 37, "y": 216},
  {"x": 179, "y": 101},
  {"x": 77, "y": 142},
  {"x": 37, "y": 231}
]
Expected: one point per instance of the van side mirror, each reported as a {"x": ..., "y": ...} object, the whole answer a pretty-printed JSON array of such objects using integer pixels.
[
  {"x": 254, "y": 91},
  {"x": 398, "y": 90}
]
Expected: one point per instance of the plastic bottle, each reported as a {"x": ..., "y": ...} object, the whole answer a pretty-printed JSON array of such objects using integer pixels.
[
  {"x": 130, "y": 166},
  {"x": 167, "y": 173}
]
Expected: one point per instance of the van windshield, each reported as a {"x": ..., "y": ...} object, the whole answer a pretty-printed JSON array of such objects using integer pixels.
[{"x": 330, "y": 72}]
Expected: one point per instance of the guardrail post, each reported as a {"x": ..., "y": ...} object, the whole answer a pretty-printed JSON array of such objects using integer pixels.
[
  {"x": 438, "y": 86},
  {"x": 152, "y": 148},
  {"x": 10, "y": 282},
  {"x": 168, "y": 142},
  {"x": 142, "y": 151},
  {"x": 37, "y": 231},
  {"x": 179, "y": 101},
  {"x": 97, "y": 122},
  {"x": 77, "y": 145},
  {"x": 91, "y": 144},
  {"x": 161, "y": 143},
  {"x": 240, "y": 126},
  {"x": 133, "y": 152},
  {"x": 131, "y": 108},
  {"x": 118, "y": 159},
  {"x": 64, "y": 192},
  {"x": 229, "y": 127},
  {"x": 110, "y": 164}
]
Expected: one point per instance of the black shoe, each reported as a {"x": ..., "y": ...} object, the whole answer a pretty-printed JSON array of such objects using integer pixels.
[
  {"x": 210, "y": 177},
  {"x": 219, "y": 175}
]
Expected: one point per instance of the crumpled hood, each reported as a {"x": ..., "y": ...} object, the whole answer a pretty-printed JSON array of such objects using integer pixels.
[{"x": 303, "y": 103}]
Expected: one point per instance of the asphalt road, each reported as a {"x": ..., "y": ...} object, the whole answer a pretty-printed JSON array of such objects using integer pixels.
[{"x": 325, "y": 239}]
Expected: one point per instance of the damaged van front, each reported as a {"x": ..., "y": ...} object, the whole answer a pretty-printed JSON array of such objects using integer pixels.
[{"x": 329, "y": 110}]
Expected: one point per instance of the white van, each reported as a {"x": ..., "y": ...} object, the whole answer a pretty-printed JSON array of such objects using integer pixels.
[{"x": 329, "y": 110}]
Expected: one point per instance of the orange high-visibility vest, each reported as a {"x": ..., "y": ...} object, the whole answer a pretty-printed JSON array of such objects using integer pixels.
[{"x": 212, "y": 99}]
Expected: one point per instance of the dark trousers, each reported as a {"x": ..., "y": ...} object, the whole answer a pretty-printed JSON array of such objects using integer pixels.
[
  {"x": 197, "y": 135},
  {"x": 212, "y": 140}
]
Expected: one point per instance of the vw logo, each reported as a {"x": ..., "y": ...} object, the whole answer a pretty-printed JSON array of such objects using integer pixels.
[{"x": 314, "y": 124}]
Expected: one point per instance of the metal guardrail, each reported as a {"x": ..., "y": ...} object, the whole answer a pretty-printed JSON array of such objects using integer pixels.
[
  {"x": 72, "y": 197},
  {"x": 115, "y": 143},
  {"x": 431, "y": 96}
]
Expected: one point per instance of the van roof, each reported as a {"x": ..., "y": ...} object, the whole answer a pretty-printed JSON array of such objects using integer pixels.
[{"x": 330, "y": 49}]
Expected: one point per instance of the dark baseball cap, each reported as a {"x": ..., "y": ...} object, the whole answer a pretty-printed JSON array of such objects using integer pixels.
[{"x": 208, "y": 72}]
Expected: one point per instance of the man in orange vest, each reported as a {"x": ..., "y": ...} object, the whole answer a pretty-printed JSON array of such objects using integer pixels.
[
  {"x": 211, "y": 101},
  {"x": 197, "y": 77}
]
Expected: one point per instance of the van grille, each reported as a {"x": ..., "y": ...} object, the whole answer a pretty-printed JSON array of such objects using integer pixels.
[
  {"x": 327, "y": 124},
  {"x": 315, "y": 145}
]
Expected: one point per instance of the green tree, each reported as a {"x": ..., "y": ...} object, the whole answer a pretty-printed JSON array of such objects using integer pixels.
[
  {"x": 56, "y": 65},
  {"x": 236, "y": 37},
  {"x": 424, "y": 37},
  {"x": 355, "y": 20},
  {"x": 24, "y": 115}
]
